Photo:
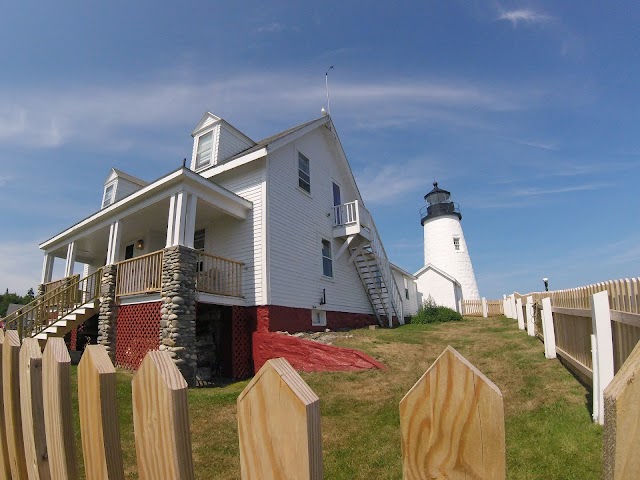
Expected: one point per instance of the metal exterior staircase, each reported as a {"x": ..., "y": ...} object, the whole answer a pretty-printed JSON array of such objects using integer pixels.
[
  {"x": 354, "y": 221},
  {"x": 59, "y": 310}
]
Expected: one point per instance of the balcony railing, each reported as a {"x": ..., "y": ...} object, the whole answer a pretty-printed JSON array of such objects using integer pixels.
[
  {"x": 140, "y": 276},
  {"x": 351, "y": 213},
  {"x": 219, "y": 276}
]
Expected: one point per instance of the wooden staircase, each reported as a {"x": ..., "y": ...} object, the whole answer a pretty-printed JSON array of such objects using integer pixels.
[
  {"x": 59, "y": 328},
  {"x": 58, "y": 311}
]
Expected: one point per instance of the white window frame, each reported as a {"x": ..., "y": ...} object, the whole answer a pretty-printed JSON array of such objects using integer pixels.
[
  {"x": 406, "y": 288},
  {"x": 457, "y": 245},
  {"x": 106, "y": 201},
  {"x": 330, "y": 257},
  {"x": 302, "y": 172},
  {"x": 318, "y": 318},
  {"x": 200, "y": 166}
]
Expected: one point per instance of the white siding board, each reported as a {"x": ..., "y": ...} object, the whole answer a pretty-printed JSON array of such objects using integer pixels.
[
  {"x": 242, "y": 240},
  {"x": 298, "y": 222},
  {"x": 229, "y": 144},
  {"x": 410, "y": 306}
]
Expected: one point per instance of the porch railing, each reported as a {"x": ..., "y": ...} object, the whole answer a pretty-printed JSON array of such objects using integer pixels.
[
  {"x": 140, "y": 275},
  {"x": 47, "y": 309},
  {"x": 219, "y": 275}
]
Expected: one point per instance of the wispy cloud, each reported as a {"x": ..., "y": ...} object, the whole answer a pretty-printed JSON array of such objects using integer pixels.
[
  {"x": 20, "y": 267},
  {"x": 524, "y": 15},
  {"x": 273, "y": 27},
  {"x": 119, "y": 113},
  {"x": 542, "y": 145},
  {"x": 4, "y": 180},
  {"x": 535, "y": 191}
]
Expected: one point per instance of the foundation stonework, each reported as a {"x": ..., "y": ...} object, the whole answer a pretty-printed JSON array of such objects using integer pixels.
[
  {"x": 108, "y": 314},
  {"x": 178, "y": 310}
]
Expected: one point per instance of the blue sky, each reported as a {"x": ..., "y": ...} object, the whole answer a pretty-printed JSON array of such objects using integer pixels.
[{"x": 527, "y": 112}]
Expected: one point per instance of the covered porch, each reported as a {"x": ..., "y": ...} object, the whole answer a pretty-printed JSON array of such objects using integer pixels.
[{"x": 181, "y": 209}]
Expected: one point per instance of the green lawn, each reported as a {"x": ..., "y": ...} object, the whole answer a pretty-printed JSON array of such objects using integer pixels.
[{"x": 549, "y": 432}]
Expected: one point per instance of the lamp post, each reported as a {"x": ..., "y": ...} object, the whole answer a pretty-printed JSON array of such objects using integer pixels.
[{"x": 546, "y": 284}]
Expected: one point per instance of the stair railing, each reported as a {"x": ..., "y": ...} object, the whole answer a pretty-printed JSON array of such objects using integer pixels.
[
  {"x": 48, "y": 309},
  {"x": 378, "y": 251}
]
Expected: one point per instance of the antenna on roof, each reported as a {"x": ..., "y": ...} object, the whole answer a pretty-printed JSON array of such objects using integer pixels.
[{"x": 326, "y": 84}]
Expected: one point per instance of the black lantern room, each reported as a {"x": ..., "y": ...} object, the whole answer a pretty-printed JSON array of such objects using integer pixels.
[{"x": 438, "y": 203}]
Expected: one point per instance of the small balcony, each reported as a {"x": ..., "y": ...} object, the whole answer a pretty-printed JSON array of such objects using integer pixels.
[{"x": 351, "y": 219}]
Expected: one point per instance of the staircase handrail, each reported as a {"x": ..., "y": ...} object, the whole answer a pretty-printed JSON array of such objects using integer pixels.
[
  {"x": 378, "y": 251},
  {"x": 34, "y": 317}
]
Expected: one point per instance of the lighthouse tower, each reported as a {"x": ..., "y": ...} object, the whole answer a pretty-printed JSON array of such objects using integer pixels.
[{"x": 444, "y": 245}]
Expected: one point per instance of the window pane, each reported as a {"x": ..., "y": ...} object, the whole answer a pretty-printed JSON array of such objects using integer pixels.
[
  {"x": 327, "y": 263},
  {"x": 198, "y": 240},
  {"x": 108, "y": 196},
  {"x": 303, "y": 163},
  {"x": 205, "y": 144},
  {"x": 327, "y": 267},
  {"x": 304, "y": 185}
]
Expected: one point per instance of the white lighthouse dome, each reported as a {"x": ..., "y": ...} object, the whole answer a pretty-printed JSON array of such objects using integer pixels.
[{"x": 444, "y": 243}]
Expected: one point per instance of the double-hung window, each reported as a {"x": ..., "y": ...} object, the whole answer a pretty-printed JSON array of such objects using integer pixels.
[
  {"x": 205, "y": 147},
  {"x": 108, "y": 195},
  {"x": 456, "y": 243},
  {"x": 304, "y": 174},
  {"x": 327, "y": 262}
]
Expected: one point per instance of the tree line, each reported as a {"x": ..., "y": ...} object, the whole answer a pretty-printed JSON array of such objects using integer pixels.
[{"x": 7, "y": 298}]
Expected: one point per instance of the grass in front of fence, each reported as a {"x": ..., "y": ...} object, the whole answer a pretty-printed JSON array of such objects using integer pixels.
[{"x": 549, "y": 433}]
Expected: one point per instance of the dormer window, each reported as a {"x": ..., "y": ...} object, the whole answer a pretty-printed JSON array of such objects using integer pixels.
[
  {"x": 108, "y": 195},
  {"x": 205, "y": 147}
]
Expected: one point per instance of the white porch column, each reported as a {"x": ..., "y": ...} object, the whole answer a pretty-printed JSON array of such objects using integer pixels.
[
  {"x": 113, "y": 248},
  {"x": 47, "y": 268},
  {"x": 603, "y": 369},
  {"x": 190, "y": 221},
  {"x": 547, "y": 329},
  {"x": 531, "y": 325},
  {"x": 71, "y": 259},
  {"x": 182, "y": 219}
]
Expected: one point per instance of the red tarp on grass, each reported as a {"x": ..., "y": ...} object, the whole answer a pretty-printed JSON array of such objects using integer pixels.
[{"x": 309, "y": 356}]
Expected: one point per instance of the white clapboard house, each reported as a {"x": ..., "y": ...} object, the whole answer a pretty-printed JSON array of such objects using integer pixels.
[{"x": 267, "y": 236}]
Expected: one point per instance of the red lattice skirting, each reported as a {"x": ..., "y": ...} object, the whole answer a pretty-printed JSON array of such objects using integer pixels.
[
  {"x": 137, "y": 332},
  {"x": 241, "y": 327}
]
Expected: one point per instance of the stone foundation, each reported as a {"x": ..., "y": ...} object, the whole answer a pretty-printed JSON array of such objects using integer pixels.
[
  {"x": 108, "y": 315},
  {"x": 178, "y": 313}
]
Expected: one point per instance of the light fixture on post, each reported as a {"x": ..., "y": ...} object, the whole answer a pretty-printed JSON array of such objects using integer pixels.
[
  {"x": 546, "y": 284},
  {"x": 140, "y": 244}
]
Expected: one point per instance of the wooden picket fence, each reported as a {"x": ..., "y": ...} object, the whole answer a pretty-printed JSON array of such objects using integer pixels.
[
  {"x": 472, "y": 308},
  {"x": 450, "y": 415},
  {"x": 482, "y": 307},
  {"x": 451, "y": 420}
]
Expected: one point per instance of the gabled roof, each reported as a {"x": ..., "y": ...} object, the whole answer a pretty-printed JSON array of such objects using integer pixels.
[
  {"x": 430, "y": 266},
  {"x": 209, "y": 118},
  {"x": 403, "y": 272},
  {"x": 265, "y": 142},
  {"x": 120, "y": 174}
]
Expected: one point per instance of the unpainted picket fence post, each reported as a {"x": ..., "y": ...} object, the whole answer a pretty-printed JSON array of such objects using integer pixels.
[
  {"x": 622, "y": 421},
  {"x": 99, "y": 416},
  {"x": 5, "y": 468},
  {"x": 33, "y": 430},
  {"x": 279, "y": 426},
  {"x": 163, "y": 448},
  {"x": 56, "y": 379},
  {"x": 12, "y": 413},
  {"x": 452, "y": 423}
]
